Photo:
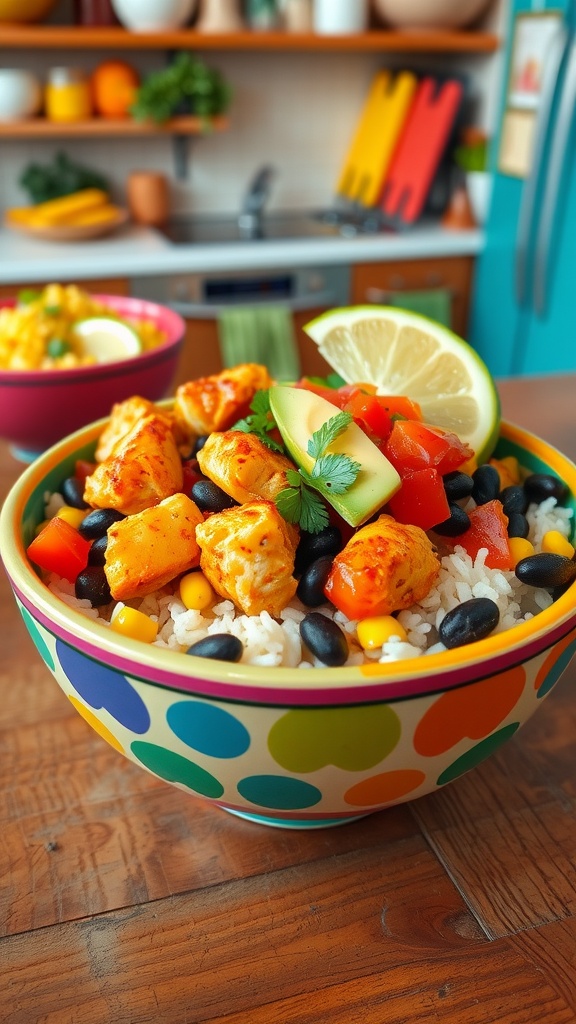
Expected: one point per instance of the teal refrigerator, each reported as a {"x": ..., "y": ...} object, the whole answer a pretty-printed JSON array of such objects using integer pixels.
[{"x": 523, "y": 313}]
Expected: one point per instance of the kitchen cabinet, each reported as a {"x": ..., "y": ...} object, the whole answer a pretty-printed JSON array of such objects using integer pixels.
[
  {"x": 99, "y": 286},
  {"x": 377, "y": 282}
]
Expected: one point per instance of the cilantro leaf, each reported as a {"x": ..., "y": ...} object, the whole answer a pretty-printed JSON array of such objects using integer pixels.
[
  {"x": 303, "y": 506},
  {"x": 335, "y": 473},
  {"x": 327, "y": 433},
  {"x": 260, "y": 422}
]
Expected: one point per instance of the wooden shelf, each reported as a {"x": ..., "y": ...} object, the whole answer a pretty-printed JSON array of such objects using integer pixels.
[
  {"x": 41, "y": 128},
  {"x": 43, "y": 37}
]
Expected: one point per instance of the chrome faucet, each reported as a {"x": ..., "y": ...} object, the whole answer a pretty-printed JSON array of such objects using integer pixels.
[{"x": 254, "y": 201}]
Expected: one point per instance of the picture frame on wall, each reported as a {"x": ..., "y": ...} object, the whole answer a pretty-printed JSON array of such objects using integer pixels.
[{"x": 533, "y": 32}]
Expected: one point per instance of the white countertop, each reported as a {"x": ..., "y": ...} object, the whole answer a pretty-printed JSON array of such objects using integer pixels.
[{"x": 142, "y": 251}]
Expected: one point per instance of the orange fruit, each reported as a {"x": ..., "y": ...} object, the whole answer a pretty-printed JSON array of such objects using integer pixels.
[{"x": 114, "y": 84}]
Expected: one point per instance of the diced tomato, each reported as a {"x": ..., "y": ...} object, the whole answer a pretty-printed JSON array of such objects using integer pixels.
[
  {"x": 421, "y": 499},
  {"x": 400, "y": 405},
  {"x": 413, "y": 446},
  {"x": 330, "y": 394},
  {"x": 83, "y": 468},
  {"x": 191, "y": 474},
  {"x": 370, "y": 415},
  {"x": 59, "y": 548},
  {"x": 488, "y": 529}
]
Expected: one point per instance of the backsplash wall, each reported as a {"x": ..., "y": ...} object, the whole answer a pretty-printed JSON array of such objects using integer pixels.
[{"x": 296, "y": 111}]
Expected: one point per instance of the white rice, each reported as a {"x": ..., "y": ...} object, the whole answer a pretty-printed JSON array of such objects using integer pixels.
[{"x": 271, "y": 643}]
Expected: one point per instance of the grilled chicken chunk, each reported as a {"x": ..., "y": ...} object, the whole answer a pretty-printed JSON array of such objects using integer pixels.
[
  {"x": 123, "y": 417},
  {"x": 384, "y": 567},
  {"x": 247, "y": 553},
  {"x": 243, "y": 466},
  {"x": 147, "y": 550},
  {"x": 143, "y": 467},
  {"x": 215, "y": 403}
]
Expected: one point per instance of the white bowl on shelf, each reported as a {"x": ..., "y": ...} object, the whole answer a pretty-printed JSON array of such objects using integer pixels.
[
  {"x": 430, "y": 14},
  {"x": 153, "y": 15},
  {"x": 20, "y": 94}
]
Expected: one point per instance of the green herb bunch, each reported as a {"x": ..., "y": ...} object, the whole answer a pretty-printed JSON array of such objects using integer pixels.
[
  {"x": 60, "y": 177},
  {"x": 186, "y": 86}
]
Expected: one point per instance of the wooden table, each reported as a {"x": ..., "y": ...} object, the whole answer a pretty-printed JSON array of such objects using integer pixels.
[{"x": 126, "y": 901}]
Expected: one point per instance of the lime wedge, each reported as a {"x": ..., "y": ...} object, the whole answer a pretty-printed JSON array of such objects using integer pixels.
[
  {"x": 106, "y": 340},
  {"x": 403, "y": 353}
]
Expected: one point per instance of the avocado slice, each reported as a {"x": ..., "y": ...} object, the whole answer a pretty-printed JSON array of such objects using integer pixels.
[{"x": 298, "y": 413}]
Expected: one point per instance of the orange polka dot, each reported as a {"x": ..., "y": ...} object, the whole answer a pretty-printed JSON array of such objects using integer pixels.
[
  {"x": 96, "y": 725},
  {"x": 384, "y": 788},
  {"x": 470, "y": 712}
]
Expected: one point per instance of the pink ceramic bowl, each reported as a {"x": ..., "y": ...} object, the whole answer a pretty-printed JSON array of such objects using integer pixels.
[{"x": 39, "y": 407}]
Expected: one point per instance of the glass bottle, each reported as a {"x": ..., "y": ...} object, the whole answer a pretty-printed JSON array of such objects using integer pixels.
[{"x": 67, "y": 95}]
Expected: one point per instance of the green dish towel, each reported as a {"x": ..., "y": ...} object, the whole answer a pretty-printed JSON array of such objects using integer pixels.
[
  {"x": 435, "y": 303},
  {"x": 261, "y": 334}
]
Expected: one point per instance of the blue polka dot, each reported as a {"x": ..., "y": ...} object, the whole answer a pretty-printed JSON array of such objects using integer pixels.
[
  {"x": 38, "y": 639},
  {"x": 102, "y": 687},
  {"x": 208, "y": 729},
  {"x": 279, "y": 792}
]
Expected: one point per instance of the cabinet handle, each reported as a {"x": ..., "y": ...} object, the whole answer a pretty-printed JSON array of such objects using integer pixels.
[{"x": 382, "y": 296}]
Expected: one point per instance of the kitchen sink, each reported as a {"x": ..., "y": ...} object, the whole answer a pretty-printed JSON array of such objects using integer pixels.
[{"x": 271, "y": 226}]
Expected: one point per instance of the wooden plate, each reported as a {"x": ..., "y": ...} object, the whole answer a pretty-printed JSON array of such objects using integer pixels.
[{"x": 69, "y": 232}]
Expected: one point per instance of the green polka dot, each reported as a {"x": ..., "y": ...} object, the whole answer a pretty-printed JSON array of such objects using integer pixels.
[
  {"x": 353, "y": 739},
  {"x": 38, "y": 639},
  {"x": 278, "y": 792},
  {"x": 477, "y": 754},
  {"x": 175, "y": 768}
]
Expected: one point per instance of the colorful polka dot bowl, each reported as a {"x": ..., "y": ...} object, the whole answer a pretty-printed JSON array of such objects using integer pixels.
[
  {"x": 40, "y": 407},
  {"x": 287, "y": 747}
]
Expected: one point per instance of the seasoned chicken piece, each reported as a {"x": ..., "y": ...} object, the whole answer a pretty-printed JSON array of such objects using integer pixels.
[
  {"x": 143, "y": 468},
  {"x": 217, "y": 402},
  {"x": 247, "y": 553},
  {"x": 243, "y": 466},
  {"x": 122, "y": 418},
  {"x": 383, "y": 568},
  {"x": 147, "y": 550}
]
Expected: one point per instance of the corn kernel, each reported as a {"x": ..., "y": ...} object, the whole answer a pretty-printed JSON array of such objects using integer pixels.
[
  {"x": 375, "y": 631},
  {"x": 195, "y": 591},
  {"x": 519, "y": 548},
  {"x": 73, "y": 516},
  {"x": 134, "y": 624},
  {"x": 557, "y": 543}
]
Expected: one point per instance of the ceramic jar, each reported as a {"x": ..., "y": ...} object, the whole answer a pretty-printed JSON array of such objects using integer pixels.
[
  {"x": 220, "y": 16},
  {"x": 153, "y": 15},
  {"x": 20, "y": 94},
  {"x": 339, "y": 17}
]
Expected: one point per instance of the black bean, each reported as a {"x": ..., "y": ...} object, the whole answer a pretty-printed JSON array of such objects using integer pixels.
[
  {"x": 72, "y": 490},
  {"x": 97, "y": 553},
  {"x": 220, "y": 646},
  {"x": 324, "y": 639},
  {"x": 310, "y": 588},
  {"x": 457, "y": 523},
  {"x": 470, "y": 621},
  {"x": 457, "y": 485},
  {"x": 513, "y": 499},
  {"x": 199, "y": 444},
  {"x": 312, "y": 545},
  {"x": 209, "y": 497},
  {"x": 540, "y": 486},
  {"x": 518, "y": 525},
  {"x": 486, "y": 484},
  {"x": 91, "y": 585},
  {"x": 98, "y": 521},
  {"x": 546, "y": 569}
]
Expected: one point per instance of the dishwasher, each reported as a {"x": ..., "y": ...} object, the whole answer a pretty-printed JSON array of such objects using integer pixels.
[{"x": 201, "y": 299}]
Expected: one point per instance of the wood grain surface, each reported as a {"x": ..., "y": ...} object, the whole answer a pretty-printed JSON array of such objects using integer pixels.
[{"x": 127, "y": 901}]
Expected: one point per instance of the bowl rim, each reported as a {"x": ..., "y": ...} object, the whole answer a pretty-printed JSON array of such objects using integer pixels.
[
  {"x": 120, "y": 367},
  {"x": 411, "y": 677}
]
